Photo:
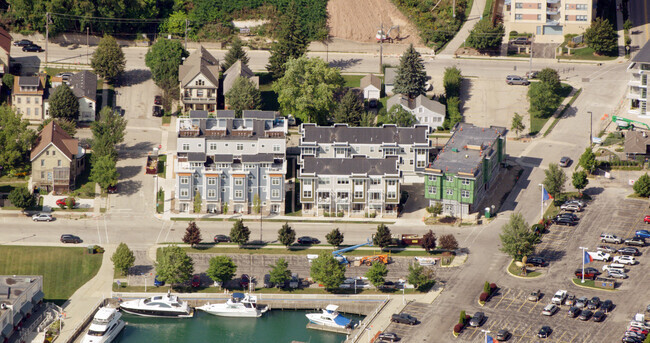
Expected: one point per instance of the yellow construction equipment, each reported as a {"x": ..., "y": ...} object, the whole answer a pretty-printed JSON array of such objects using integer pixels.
[{"x": 368, "y": 260}]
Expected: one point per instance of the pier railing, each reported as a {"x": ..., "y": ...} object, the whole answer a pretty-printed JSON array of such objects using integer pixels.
[
  {"x": 364, "y": 324},
  {"x": 87, "y": 319}
]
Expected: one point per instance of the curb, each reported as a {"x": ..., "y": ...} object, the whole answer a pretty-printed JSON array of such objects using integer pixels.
[
  {"x": 596, "y": 288},
  {"x": 521, "y": 277}
]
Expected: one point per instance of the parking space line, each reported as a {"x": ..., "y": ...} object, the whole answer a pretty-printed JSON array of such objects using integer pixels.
[
  {"x": 502, "y": 297},
  {"x": 471, "y": 335},
  {"x": 534, "y": 305},
  {"x": 522, "y": 305},
  {"x": 516, "y": 327},
  {"x": 523, "y": 335},
  {"x": 512, "y": 302},
  {"x": 562, "y": 335}
]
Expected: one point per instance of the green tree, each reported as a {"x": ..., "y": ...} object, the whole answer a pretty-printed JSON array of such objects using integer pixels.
[
  {"x": 307, "y": 89},
  {"x": 417, "y": 276},
  {"x": 291, "y": 43},
  {"x": 452, "y": 81},
  {"x": 8, "y": 81},
  {"x": 435, "y": 210},
  {"x": 326, "y": 270},
  {"x": 334, "y": 237},
  {"x": 104, "y": 172},
  {"x": 108, "y": 131},
  {"x": 428, "y": 241},
  {"x": 236, "y": 52},
  {"x": 224, "y": 207},
  {"x": 22, "y": 198},
  {"x": 382, "y": 237},
  {"x": 376, "y": 274},
  {"x": 411, "y": 76},
  {"x": 517, "y": 239},
  {"x": 588, "y": 160},
  {"x": 485, "y": 36},
  {"x": 286, "y": 235},
  {"x": 448, "y": 242},
  {"x": 175, "y": 23},
  {"x": 280, "y": 272},
  {"x": 579, "y": 180},
  {"x": 123, "y": 259},
  {"x": 550, "y": 77},
  {"x": 517, "y": 123},
  {"x": 192, "y": 234},
  {"x": 221, "y": 269},
  {"x": 173, "y": 265},
  {"x": 163, "y": 59},
  {"x": 400, "y": 117},
  {"x": 602, "y": 37},
  {"x": 239, "y": 232},
  {"x": 108, "y": 59},
  {"x": 453, "y": 112},
  {"x": 350, "y": 109},
  {"x": 68, "y": 126},
  {"x": 367, "y": 120},
  {"x": 257, "y": 204},
  {"x": 627, "y": 25},
  {"x": 543, "y": 99},
  {"x": 641, "y": 186},
  {"x": 243, "y": 95},
  {"x": 70, "y": 203},
  {"x": 63, "y": 103},
  {"x": 197, "y": 202},
  {"x": 555, "y": 179},
  {"x": 16, "y": 139}
]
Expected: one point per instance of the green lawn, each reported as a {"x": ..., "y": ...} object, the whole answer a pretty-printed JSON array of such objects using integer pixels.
[
  {"x": 162, "y": 162},
  {"x": 488, "y": 8},
  {"x": 537, "y": 123},
  {"x": 64, "y": 270},
  {"x": 588, "y": 283},
  {"x": 53, "y": 71},
  {"x": 84, "y": 188},
  {"x": 352, "y": 80},
  {"x": 514, "y": 270},
  {"x": 153, "y": 289},
  {"x": 586, "y": 53},
  {"x": 302, "y": 250},
  {"x": 8, "y": 187},
  {"x": 166, "y": 120}
]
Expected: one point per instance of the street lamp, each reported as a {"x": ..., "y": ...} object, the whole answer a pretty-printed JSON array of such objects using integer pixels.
[
  {"x": 591, "y": 131},
  {"x": 486, "y": 334},
  {"x": 583, "y": 263}
]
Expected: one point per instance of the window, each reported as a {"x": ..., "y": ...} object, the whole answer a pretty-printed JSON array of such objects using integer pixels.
[
  {"x": 199, "y": 92},
  {"x": 450, "y": 179},
  {"x": 199, "y": 83},
  {"x": 18, "y": 98},
  {"x": 58, "y": 163},
  {"x": 276, "y": 147},
  {"x": 581, "y": 18},
  {"x": 212, "y": 181},
  {"x": 213, "y": 146},
  {"x": 517, "y": 16},
  {"x": 391, "y": 195},
  {"x": 433, "y": 190},
  {"x": 421, "y": 164},
  {"x": 275, "y": 181},
  {"x": 323, "y": 181},
  {"x": 450, "y": 192},
  {"x": 186, "y": 147},
  {"x": 239, "y": 181},
  {"x": 239, "y": 194},
  {"x": 42, "y": 175},
  {"x": 36, "y": 101},
  {"x": 184, "y": 193},
  {"x": 464, "y": 194},
  {"x": 465, "y": 182},
  {"x": 358, "y": 195},
  {"x": 29, "y": 111},
  {"x": 275, "y": 193},
  {"x": 212, "y": 193},
  {"x": 185, "y": 180},
  {"x": 240, "y": 147},
  {"x": 36, "y": 112},
  {"x": 375, "y": 196},
  {"x": 42, "y": 163},
  {"x": 358, "y": 182},
  {"x": 391, "y": 182},
  {"x": 519, "y": 5},
  {"x": 307, "y": 182},
  {"x": 341, "y": 181},
  {"x": 375, "y": 181},
  {"x": 432, "y": 178},
  {"x": 306, "y": 193},
  {"x": 28, "y": 100},
  {"x": 372, "y": 149},
  {"x": 581, "y": 7},
  {"x": 411, "y": 162},
  {"x": 53, "y": 152}
]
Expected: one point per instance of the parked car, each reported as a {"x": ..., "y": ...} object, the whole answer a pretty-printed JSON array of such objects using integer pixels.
[
  {"x": 599, "y": 316},
  {"x": 532, "y": 74},
  {"x": 520, "y": 41},
  {"x": 643, "y": 233},
  {"x": 570, "y": 300},
  {"x": 629, "y": 251},
  {"x": 403, "y": 318},
  {"x": 516, "y": 80},
  {"x": 570, "y": 215},
  {"x": 23, "y": 42},
  {"x": 291, "y": 120},
  {"x": 585, "y": 315},
  {"x": 565, "y": 161},
  {"x": 609, "y": 238},
  {"x": 646, "y": 219},
  {"x": 308, "y": 240},
  {"x": 576, "y": 201},
  {"x": 221, "y": 238},
  {"x": 477, "y": 319},
  {"x": 42, "y": 217},
  {"x": 606, "y": 249},
  {"x": 63, "y": 202},
  {"x": 581, "y": 302},
  {"x": 157, "y": 282},
  {"x": 589, "y": 274},
  {"x": 607, "y": 306},
  {"x": 563, "y": 221},
  {"x": 625, "y": 259},
  {"x": 70, "y": 239},
  {"x": 32, "y": 48},
  {"x": 638, "y": 241},
  {"x": 574, "y": 311},
  {"x": 617, "y": 274},
  {"x": 628, "y": 339},
  {"x": 559, "y": 297},
  {"x": 156, "y": 111},
  {"x": 549, "y": 310},
  {"x": 503, "y": 335},
  {"x": 571, "y": 207},
  {"x": 536, "y": 261},
  {"x": 388, "y": 337},
  {"x": 615, "y": 267},
  {"x": 111, "y": 189},
  {"x": 157, "y": 100},
  {"x": 535, "y": 295},
  {"x": 196, "y": 281},
  {"x": 372, "y": 103},
  {"x": 544, "y": 332},
  {"x": 593, "y": 303}
]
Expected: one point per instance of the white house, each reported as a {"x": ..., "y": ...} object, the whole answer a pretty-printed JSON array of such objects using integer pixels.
[
  {"x": 389, "y": 80},
  {"x": 84, "y": 87},
  {"x": 371, "y": 86},
  {"x": 426, "y": 111}
]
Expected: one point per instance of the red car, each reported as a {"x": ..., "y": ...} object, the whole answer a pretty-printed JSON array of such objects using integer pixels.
[
  {"x": 196, "y": 281},
  {"x": 647, "y": 219},
  {"x": 157, "y": 100},
  {"x": 63, "y": 202}
]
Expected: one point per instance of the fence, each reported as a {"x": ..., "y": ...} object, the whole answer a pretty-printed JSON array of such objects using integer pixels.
[
  {"x": 362, "y": 327},
  {"x": 86, "y": 319}
]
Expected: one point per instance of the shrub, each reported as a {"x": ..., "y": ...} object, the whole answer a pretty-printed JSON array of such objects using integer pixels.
[
  {"x": 98, "y": 249},
  {"x": 483, "y": 297},
  {"x": 458, "y": 327},
  {"x": 486, "y": 287},
  {"x": 340, "y": 214},
  {"x": 493, "y": 288}
]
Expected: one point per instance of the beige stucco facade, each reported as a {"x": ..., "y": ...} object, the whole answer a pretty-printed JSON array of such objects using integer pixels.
[
  {"x": 28, "y": 100},
  {"x": 549, "y": 20}
]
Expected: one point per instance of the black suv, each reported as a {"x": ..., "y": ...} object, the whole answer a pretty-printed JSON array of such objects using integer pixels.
[
  {"x": 536, "y": 261},
  {"x": 308, "y": 240},
  {"x": 404, "y": 318},
  {"x": 570, "y": 215},
  {"x": 630, "y": 251},
  {"x": 70, "y": 239},
  {"x": 32, "y": 48},
  {"x": 23, "y": 42},
  {"x": 563, "y": 221},
  {"x": 221, "y": 238}
]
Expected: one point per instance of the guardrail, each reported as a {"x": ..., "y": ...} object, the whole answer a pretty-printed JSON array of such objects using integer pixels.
[{"x": 364, "y": 324}]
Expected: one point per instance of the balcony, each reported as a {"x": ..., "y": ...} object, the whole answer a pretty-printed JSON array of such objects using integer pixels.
[
  {"x": 201, "y": 100},
  {"x": 552, "y": 2},
  {"x": 342, "y": 200},
  {"x": 552, "y": 11},
  {"x": 638, "y": 95},
  {"x": 552, "y": 22},
  {"x": 324, "y": 200}
]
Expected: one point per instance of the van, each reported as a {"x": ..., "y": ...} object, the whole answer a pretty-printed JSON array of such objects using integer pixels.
[{"x": 614, "y": 267}]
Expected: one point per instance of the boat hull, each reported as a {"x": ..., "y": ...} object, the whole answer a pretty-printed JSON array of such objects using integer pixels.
[
  {"x": 157, "y": 314},
  {"x": 106, "y": 338},
  {"x": 314, "y": 319},
  {"x": 217, "y": 311}
]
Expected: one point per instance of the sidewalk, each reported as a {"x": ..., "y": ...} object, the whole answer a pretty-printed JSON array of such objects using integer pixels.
[
  {"x": 475, "y": 15},
  {"x": 556, "y": 115}
]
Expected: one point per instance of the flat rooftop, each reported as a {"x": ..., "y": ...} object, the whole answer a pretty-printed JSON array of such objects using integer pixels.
[
  {"x": 12, "y": 287},
  {"x": 342, "y": 133}
]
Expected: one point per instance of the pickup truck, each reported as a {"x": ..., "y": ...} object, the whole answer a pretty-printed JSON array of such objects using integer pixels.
[
  {"x": 600, "y": 256},
  {"x": 404, "y": 318},
  {"x": 559, "y": 297}
]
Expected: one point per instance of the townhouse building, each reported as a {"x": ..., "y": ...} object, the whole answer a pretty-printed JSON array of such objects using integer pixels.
[
  {"x": 19, "y": 295},
  {"x": 550, "y": 18},
  {"x": 637, "y": 95},
  {"x": 410, "y": 145},
  {"x": 234, "y": 165},
  {"x": 27, "y": 97},
  {"x": 464, "y": 172}
]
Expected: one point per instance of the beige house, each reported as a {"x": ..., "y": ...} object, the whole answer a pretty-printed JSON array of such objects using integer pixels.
[
  {"x": 236, "y": 70},
  {"x": 549, "y": 20},
  {"x": 27, "y": 97},
  {"x": 57, "y": 160},
  {"x": 5, "y": 50},
  {"x": 199, "y": 78}
]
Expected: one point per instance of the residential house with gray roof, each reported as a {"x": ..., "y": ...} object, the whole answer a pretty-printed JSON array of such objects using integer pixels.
[
  {"x": 426, "y": 111},
  {"x": 27, "y": 97},
  {"x": 637, "y": 95},
  {"x": 199, "y": 81},
  {"x": 389, "y": 80},
  {"x": 233, "y": 161},
  {"x": 236, "y": 70},
  {"x": 465, "y": 170},
  {"x": 371, "y": 87}
]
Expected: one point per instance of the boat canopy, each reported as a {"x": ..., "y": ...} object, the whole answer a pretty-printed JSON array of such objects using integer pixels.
[
  {"x": 331, "y": 308},
  {"x": 342, "y": 321},
  {"x": 238, "y": 295}
]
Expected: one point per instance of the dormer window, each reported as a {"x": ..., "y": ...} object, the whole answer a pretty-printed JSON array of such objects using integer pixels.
[{"x": 200, "y": 83}]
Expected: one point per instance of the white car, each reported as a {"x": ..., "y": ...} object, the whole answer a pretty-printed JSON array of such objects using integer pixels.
[
  {"x": 624, "y": 259},
  {"x": 600, "y": 256},
  {"x": 42, "y": 217},
  {"x": 549, "y": 310},
  {"x": 571, "y": 207},
  {"x": 559, "y": 297},
  {"x": 617, "y": 274},
  {"x": 608, "y": 267}
]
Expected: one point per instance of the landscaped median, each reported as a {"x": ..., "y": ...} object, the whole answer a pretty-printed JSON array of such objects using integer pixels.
[
  {"x": 515, "y": 270},
  {"x": 593, "y": 284},
  {"x": 277, "y": 249}
]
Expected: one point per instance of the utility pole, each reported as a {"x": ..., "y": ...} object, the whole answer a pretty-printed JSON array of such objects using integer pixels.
[
  {"x": 381, "y": 45},
  {"x": 47, "y": 33},
  {"x": 453, "y": 10},
  {"x": 530, "y": 68},
  {"x": 187, "y": 22},
  {"x": 87, "y": 43}
]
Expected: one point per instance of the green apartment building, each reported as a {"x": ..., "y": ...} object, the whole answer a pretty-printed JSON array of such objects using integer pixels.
[{"x": 464, "y": 171}]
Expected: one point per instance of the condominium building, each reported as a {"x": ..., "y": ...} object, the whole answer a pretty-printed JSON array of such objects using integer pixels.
[
  {"x": 356, "y": 186},
  {"x": 550, "y": 17},
  {"x": 410, "y": 145},
  {"x": 463, "y": 173},
  {"x": 235, "y": 165},
  {"x": 19, "y": 295},
  {"x": 637, "y": 95}
]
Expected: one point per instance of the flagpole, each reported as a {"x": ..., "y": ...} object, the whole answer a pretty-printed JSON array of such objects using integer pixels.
[
  {"x": 541, "y": 208},
  {"x": 583, "y": 264}
]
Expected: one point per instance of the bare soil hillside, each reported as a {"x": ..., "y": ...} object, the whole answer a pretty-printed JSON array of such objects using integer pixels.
[{"x": 359, "y": 20}]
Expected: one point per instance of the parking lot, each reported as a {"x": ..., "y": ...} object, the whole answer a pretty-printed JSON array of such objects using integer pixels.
[{"x": 420, "y": 311}]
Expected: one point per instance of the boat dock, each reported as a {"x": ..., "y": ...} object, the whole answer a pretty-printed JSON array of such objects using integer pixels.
[{"x": 343, "y": 331}]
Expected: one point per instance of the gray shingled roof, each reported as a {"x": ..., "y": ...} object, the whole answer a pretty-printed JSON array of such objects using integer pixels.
[
  {"x": 389, "y": 76},
  {"x": 223, "y": 158},
  {"x": 348, "y": 166},
  {"x": 412, "y": 104},
  {"x": 84, "y": 85},
  {"x": 196, "y": 156},
  {"x": 257, "y": 158},
  {"x": 28, "y": 81},
  {"x": 198, "y": 114},
  {"x": 365, "y": 135},
  {"x": 236, "y": 70},
  {"x": 370, "y": 80},
  {"x": 225, "y": 114},
  {"x": 199, "y": 62},
  {"x": 643, "y": 55},
  {"x": 455, "y": 157},
  {"x": 259, "y": 114},
  {"x": 636, "y": 143}
]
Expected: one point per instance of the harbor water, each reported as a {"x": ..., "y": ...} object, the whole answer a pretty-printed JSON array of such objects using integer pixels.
[{"x": 273, "y": 327}]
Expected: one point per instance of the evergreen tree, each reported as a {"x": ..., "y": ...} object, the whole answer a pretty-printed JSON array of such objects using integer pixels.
[
  {"x": 335, "y": 237},
  {"x": 367, "y": 120},
  {"x": 64, "y": 104},
  {"x": 239, "y": 233},
  {"x": 411, "y": 76},
  {"x": 428, "y": 241},
  {"x": 382, "y": 238},
  {"x": 286, "y": 235},
  {"x": 123, "y": 259},
  {"x": 453, "y": 112},
  {"x": 243, "y": 95},
  {"x": 292, "y": 42},
  {"x": 350, "y": 109},
  {"x": 280, "y": 272},
  {"x": 376, "y": 274},
  {"x": 236, "y": 52},
  {"x": 108, "y": 59},
  {"x": 221, "y": 269},
  {"x": 192, "y": 234},
  {"x": 21, "y": 198},
  {"x": 602, "y": 37}
]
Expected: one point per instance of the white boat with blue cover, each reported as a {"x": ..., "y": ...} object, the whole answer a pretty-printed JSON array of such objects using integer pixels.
[{"x": 330, "y": 317}]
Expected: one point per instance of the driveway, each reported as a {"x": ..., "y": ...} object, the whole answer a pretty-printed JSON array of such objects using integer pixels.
[{"x": 49, "y": 202}]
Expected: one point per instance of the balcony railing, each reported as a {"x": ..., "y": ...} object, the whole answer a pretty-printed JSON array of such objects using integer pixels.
[
  {"x": 324, "y": 200},
  {"x": 342, "y": 200},
  {"x": 552, "y": 2},
  {"x": 552, "y": 11},
  {"x": 200, "y": 100},
  {"x": 552, "y": 22}
]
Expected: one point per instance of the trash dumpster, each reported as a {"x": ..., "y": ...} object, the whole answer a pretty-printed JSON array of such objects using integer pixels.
[
  {"x": 487, "y": 213},
  {"x": 91, "y": 249}
]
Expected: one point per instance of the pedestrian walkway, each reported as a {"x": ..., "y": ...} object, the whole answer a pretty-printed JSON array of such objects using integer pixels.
[{"x": 475, "y": 14}]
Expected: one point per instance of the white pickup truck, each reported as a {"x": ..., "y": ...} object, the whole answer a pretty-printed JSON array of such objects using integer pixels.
[
  {"x": 558, "y": 298},
  {"x": 600, "y": 256}
]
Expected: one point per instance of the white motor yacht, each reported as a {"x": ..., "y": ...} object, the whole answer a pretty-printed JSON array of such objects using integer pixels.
[
  {"x": 239, "y": 305},
  {"x": 330, "y": 317},
  {"x": 168, "y": 306},
  {"x": 106, "y": 325}
]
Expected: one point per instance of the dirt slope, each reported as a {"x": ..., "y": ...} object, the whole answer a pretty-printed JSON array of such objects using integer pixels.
[{"x": 359, "y": 20}]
